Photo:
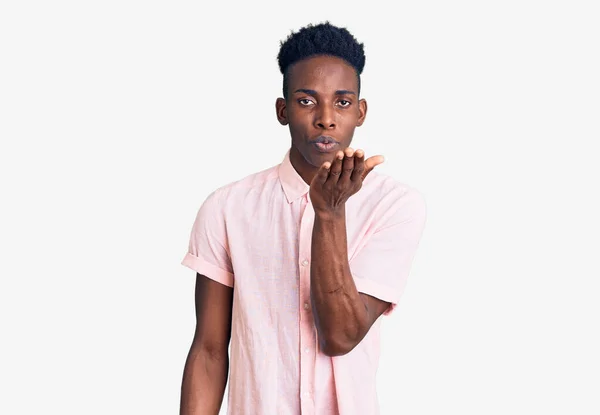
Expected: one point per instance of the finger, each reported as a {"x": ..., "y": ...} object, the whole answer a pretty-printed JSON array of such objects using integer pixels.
[
  {"x": 359, "y": 165},
  {"x": 336, "y": 167},
  {"x": 323, "y": 173},
  {"x": 370, "y": 164},
  {"x": 347, "y": 164}
]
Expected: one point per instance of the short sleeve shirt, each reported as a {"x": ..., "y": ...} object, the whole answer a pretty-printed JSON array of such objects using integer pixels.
[{"x": 255, "y": 235}]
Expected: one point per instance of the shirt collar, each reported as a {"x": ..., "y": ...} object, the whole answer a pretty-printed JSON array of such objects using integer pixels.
[{"x": 293, "y": 185}]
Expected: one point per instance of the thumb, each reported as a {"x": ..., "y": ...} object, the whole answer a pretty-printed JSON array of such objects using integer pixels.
[{"x": 370, "y": 164}]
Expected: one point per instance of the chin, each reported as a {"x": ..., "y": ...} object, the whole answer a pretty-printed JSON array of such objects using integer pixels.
[{"x": 315, "y": 160}]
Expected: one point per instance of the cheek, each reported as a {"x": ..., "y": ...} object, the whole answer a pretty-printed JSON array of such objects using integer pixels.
[
  {"x": 300, "y": 119},
  {"x": 297, "y": 128},
  {"x": 347, "y": 120},
  {"x": 351, "y": 117}
]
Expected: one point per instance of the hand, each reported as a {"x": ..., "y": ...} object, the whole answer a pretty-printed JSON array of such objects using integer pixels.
[{"x": 336, "y": 181}]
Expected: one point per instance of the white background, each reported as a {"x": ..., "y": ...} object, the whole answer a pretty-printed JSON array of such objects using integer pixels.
[{"x": 118, "y": 118}]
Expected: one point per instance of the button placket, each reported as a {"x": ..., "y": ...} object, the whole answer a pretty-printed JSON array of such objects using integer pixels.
[{"x": 307, "y": 335}]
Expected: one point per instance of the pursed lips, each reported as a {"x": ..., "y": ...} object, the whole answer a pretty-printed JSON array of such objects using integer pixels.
[{"x": 325, "y": 140}]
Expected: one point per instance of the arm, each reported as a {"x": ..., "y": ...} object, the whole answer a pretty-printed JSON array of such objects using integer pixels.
[
  {"x": 343, "y": 316},
  {"x": 207, "y": 364}
]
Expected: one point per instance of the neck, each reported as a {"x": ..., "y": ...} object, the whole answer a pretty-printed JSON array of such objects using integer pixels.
[{"x": 302, "y": 167}]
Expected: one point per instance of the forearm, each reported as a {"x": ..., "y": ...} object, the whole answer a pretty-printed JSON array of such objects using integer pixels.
[
  {"x": 339, "y": 312},
  {"x": 204, "y": 380}
]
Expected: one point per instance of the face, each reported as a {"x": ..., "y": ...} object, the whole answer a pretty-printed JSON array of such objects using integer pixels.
[{"x": 322, "y": 107}]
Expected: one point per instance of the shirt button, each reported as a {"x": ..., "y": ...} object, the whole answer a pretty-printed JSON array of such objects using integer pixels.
[
  {"x": 305, "y": 262},
  {"x": 306, "y": 306},
  {"x": 306, "y": 350}
]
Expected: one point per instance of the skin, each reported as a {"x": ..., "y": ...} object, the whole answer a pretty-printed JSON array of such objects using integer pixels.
[
  {"x": 323, "y": 101},
  {"x": 207, "y": 363}
]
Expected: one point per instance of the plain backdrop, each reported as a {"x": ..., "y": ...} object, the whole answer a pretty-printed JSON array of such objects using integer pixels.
[{"x": 118, "y": 118}]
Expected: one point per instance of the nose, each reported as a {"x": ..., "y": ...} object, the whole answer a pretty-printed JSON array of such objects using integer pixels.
[{"x": 325, "y": 118}]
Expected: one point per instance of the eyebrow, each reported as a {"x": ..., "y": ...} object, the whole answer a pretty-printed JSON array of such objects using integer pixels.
[{"x": 338, "y": 92}]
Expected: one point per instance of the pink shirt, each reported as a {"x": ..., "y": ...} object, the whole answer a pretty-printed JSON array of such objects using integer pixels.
[{"x": 255, "y": 235}]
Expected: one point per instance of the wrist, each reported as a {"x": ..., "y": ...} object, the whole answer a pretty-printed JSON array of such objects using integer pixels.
[{"x": 331, "y": 214}]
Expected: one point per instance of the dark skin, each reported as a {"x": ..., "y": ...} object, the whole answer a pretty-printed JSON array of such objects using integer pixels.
[
  {"x": 207, "y": 363},
  {"x": 323, "y": 101}
]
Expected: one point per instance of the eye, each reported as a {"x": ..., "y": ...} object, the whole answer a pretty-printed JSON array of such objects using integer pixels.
[
  {"x": 305, "y": 102},
  {"x": 344, "y": 103}
]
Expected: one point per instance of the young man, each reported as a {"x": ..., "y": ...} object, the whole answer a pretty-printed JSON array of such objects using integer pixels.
[{"x": 295, "y": 264}]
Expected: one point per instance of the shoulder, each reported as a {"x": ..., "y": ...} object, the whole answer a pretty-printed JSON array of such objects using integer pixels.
[
  {"x": 389, "y": 203},
  {"x": 239, "y": 190},
  {"x": 388, "y": 193}
]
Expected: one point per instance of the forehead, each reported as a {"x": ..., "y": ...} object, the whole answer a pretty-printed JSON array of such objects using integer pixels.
[{"x": 323, "y": 72}]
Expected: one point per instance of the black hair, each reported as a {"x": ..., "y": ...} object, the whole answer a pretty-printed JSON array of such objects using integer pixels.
[{"x": 320, "y": 39}]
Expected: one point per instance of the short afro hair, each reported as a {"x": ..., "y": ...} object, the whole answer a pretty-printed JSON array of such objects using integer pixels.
[{"x": 320, "y": 39}]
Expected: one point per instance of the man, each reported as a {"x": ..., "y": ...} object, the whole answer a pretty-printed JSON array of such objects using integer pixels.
[{"x": 295, "y": 264}]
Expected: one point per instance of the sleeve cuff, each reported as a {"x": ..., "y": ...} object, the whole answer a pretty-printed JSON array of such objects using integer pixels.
[
  {"x": 202, "y": 267},
  {"x": 379, "y": 291}
]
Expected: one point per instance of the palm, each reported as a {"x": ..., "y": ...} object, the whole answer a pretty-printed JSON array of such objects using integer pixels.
[{"x": 335, "y": 182}]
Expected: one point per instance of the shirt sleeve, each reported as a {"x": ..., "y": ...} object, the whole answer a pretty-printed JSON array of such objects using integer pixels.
[
  {"x": 208, "y": 251},
  {"x": 381, "y": 268}
]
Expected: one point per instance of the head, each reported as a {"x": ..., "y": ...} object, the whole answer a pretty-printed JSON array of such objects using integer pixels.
[{"x": 321, "y": 67}]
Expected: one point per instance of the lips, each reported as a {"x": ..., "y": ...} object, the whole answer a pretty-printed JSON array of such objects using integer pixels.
[
  {"x": 324, "y": 140},
  {"x": 326, "y": 148}
]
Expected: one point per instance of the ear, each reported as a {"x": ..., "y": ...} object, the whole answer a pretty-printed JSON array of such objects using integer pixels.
[
  {"x": 281, "y": 111},
  {"x": 362, "y": 112}
]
